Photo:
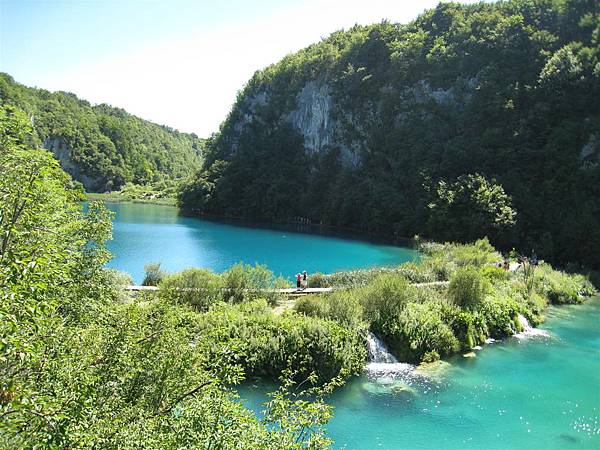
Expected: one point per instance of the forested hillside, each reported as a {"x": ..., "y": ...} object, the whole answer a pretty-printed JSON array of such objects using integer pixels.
[
  {"x": 472, "y": 120},
  {"x": 101, "y": 146}
]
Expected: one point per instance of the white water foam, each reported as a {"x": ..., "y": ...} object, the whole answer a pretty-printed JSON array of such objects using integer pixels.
[
  {"x": 529, "y": 331},
  {"x": 378, "y": 353},
  {"x": 382, "y": 364}
]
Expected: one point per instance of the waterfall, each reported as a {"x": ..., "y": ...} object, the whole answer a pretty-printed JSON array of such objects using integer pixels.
[
  {"x": 382, "y": 362},
  {"x": 378, "y": 353},
  {"x": 528, "y": 330}
]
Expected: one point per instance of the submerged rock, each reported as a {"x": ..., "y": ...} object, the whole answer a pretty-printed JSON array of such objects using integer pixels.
[
  {"x": 433, "y": 370},
  {"x": 386, "y": 386},
  {"x": 470, "y": 355}
]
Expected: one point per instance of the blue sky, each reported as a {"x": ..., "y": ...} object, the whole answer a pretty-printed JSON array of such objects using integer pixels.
[{"x": 175, "y": 62}]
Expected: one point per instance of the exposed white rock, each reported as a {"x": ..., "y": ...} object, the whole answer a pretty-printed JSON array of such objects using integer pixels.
[
  {"x": 58, "y": 146},
  {"x": 312, "y": 116}
]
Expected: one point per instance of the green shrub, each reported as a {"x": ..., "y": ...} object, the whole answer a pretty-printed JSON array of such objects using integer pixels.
[
  {"x": 117, "y": 281},
  {"x": 245, "y": 282},
  {"x": 468, "y": 288},
  {"x": 318, "y": 280},
  {"x": 313, "y": 306},
  {"x": 235, "y": 282},
  {"x": 199, "y": 288},
  {"x": 153, "y": 275},
  {"x": 431, "y": 356},
  {"x": 343, "y": 307},
  {"x": 494, "y": 273},
  {"x": 500, "y": 314},
  {"x": 420, "y": 330},
  {"x": 265, "y": 344},
  {"x": 443, "y": 260},
  {"x": 417, "y": 273},
  {"x": 384, "y": 299},
  {"x": 559, "y": 287}
]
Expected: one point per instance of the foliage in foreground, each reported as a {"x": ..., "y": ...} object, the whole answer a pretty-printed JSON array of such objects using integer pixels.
[{"x": 83, "y": 367}]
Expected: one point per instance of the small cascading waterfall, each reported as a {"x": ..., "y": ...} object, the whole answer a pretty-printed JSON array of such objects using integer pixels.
[
  {"x": 382, "y": 363},
  {"x": 378, "y": 353},
  {"x": 528, "y": 330}
]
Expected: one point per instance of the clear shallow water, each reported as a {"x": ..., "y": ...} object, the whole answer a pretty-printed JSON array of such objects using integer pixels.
[
  {"x": 536, "y": 393},
  {"x": 150, "y": 233}
]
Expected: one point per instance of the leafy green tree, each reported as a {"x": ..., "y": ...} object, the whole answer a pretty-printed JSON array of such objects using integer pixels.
[
  {"x": 79, "y": 368},
  {"x": 470, "y": 208}
]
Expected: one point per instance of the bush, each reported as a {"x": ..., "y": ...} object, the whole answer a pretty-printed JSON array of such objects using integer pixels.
[
  {"x": 199, "y": 288},
  {"x": 244, "y": 282},
  {"x": 343, "y": 307},
  {"x": 468, "y": 288},
  {"x": 559, "y": 287},
  {"x": 318, "y": 280},
  {"x": 418, "y": 331},
  {"x": 500, "y": 313},
  {"x": 384, "y": 299},
  {"x": 444, "y": 259},
  {"x": 494, "y": 274},
  {"x": 266, "y": 344},
  {"x": 117, "y": 281},
  {"x": 153, "y": 275}
]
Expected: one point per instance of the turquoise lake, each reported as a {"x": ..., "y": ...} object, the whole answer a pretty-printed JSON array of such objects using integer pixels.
[
  {"x": 151, "y": 233},
  {"x": 533, "y": 393}
]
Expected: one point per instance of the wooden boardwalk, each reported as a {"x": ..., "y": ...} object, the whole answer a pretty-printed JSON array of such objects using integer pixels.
[{"x": 289, "y": 291}]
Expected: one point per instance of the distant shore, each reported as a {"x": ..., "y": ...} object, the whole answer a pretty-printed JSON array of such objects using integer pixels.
[{"x": 115, "y": 197}]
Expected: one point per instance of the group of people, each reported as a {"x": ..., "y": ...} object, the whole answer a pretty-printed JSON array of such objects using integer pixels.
[
  {"x": 521, "y": 260},
  {"x": 302, "y": 280}
]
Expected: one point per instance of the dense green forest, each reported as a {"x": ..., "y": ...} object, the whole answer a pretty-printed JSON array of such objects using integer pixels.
[
  {"x": 101, "y": 146},
  {"x": 471, "y": 121}
]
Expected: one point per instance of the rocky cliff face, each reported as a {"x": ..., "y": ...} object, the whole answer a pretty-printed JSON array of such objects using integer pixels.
[
  {"x": 324, "y": 124},
  {"x": 58, "y": 146}
]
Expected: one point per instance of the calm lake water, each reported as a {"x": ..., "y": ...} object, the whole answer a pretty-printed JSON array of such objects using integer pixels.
[
  {"x": 535, "y": 393},
  {"x": 151, "y": 233}
]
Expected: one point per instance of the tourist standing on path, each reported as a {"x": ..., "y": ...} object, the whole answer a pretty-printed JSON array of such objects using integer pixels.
[
  {"x": 305, "y": 279},
  {"x": 299, "y": 281}
]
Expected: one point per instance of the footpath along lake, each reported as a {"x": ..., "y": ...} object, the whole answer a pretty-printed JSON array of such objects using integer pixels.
[{"x": 151, "y": 233}]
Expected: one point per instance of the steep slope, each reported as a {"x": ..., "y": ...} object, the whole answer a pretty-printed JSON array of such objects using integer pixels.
[
  {"x": 101, "y": 146},
  {"x": 471, "y": 120}
]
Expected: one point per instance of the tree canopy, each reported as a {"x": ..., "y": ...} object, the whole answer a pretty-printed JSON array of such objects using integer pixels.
[{"x": 100, "y": 146}]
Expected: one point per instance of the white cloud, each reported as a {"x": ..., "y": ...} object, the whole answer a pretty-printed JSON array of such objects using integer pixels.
[{"x": 191, "y": 83}]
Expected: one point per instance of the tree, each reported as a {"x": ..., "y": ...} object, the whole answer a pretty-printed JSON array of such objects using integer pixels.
[{"x": 470, "y": 208}]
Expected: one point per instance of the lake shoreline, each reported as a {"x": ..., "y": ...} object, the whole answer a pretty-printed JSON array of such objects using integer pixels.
[
  {"x": 305, "y": 228},
  {"x": 119, "y": 198}
]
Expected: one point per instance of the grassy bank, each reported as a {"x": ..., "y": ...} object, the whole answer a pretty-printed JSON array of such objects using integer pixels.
[{"x": 117, "y": 197}]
